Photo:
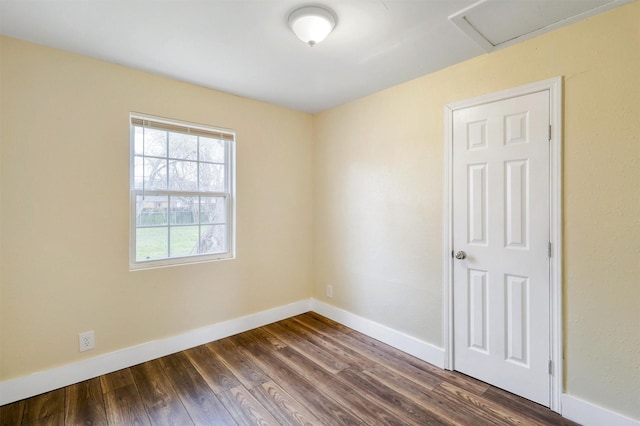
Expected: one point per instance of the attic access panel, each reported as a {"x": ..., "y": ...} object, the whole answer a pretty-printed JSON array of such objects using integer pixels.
[{"x": 495, "y": 24}]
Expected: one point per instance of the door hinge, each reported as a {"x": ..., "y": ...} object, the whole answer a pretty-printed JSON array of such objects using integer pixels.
[
  {"x": 549, "y": 132},
  {"x": 549, "y": 249},
  {"x": 452, "y": 255},
  {"x": 550, "y": 367}
]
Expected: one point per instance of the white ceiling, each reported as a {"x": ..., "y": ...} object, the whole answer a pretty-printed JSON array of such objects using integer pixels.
[{"x": 244, "y": 47}]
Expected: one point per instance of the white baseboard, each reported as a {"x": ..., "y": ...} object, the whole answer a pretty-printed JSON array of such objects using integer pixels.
[
  {"x": 13, "y": 390},
  {"x": 588, "y": 414},
  {"x": 55, "y": 378},
  {"x": 418, "y": 348}
]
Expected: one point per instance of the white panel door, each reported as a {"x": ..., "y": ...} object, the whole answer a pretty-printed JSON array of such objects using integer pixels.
[{"x": 501, "y": 223}]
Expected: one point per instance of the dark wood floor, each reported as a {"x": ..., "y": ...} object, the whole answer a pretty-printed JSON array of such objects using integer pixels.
[{"x": 305, "y": 370}]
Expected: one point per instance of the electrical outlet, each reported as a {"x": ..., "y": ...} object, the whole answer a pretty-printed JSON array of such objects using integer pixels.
[
  {"x": 87, "y": 341},
  {"x": 329, "y": 291}
]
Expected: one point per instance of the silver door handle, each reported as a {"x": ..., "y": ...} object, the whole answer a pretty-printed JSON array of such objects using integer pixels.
[{"x": 461, "y": 255}]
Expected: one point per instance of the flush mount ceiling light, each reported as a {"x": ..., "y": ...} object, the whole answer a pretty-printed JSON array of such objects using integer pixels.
[{"x": 312, "y": 24}]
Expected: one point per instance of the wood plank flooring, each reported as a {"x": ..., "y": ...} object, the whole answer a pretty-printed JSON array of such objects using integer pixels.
[{"x": 306, "y": 370}]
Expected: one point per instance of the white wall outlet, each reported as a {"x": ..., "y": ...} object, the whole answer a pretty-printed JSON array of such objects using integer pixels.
[
  {"x": 87, "y": 341},
  {"x": 329, "y": 291}
]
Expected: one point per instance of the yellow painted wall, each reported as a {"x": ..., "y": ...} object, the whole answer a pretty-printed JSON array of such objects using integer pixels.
[
  {"x": 379, "y": 197},
  {"x": 65, "y": 210}
]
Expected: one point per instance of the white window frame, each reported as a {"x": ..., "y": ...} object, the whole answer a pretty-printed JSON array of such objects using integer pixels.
[{"x": 230, "y": 177}]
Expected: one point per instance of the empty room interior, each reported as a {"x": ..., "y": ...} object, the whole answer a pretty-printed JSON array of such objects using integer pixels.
[{"x": 372, "y": 193}]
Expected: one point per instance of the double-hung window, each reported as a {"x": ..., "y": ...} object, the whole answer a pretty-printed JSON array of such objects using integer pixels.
[{"x": 182, "y": 192}]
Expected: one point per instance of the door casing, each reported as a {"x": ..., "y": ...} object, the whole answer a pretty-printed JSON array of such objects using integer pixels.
[{"x": 554, "y": 86}]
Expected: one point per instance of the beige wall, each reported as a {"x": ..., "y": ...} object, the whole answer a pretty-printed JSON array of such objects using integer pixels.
[
  {"x": 65, "y": 210},
  {"x": 379, "y": 197}
]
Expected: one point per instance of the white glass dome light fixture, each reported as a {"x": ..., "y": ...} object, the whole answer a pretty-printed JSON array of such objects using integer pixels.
[{"x": 312, "y": 24}]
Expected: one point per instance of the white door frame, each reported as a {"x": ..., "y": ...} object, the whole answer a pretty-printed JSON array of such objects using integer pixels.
[{"x": 554, "y": 86}]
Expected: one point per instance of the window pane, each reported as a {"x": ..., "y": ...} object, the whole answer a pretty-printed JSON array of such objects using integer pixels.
[
  {"x": 212, "y": 177},
  {"x": 149, "y": 173},
  {"x": 138, "y": 172},
  {"x": 184, "y": 241},
  {"x": 137, "y": 138},
  {"x": 183, "y": 147},
  {"x": 183, "y": 175},
  {"x": 213, "y": 239},
  {"x": 155, "y": 142},
  {"x": 154, "y": 173},
  {"x": 184, "y": 210},
  {"x": 212, "y": 150},
  {"x": 213, "y": 210},
  {"x": 151, "y": 210},
  {"x": 151, "y": 243}
]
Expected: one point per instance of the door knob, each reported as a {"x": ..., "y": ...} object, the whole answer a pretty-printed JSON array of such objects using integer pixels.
[{"x": 461, "y": 255}]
